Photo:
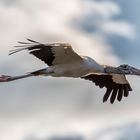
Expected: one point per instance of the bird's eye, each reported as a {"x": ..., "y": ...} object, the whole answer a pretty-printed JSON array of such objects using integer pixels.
[{"x": 124, "y": 66}]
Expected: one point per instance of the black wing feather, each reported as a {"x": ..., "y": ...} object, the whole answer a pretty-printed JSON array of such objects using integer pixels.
[
  {"x": 107, "y": 94},
  {"x": 41, "y": 51},
  {"x": 126, "y": 92},
  {"x": 114, "y": 90},
  {"x": 113, "y": 96},
  {"x": 120, "y": 93}
]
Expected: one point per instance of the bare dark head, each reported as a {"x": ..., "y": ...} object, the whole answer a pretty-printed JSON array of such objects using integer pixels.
[
  {"x": 127, "y": 69},
  {"x": 122, "y": 69}
]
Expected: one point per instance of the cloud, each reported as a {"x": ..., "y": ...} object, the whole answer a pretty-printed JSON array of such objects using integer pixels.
[
  {"x": 119, "y": 28},
  {"x": 38, "y": 106},
  {"x": 102, "y": 10},
  {"x": 122, "y": 132},
  {"x": 47, "y": 21},
  {"x": 59, "y": 137}
]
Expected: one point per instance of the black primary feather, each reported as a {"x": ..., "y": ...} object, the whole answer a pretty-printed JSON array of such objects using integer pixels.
[
  {"x": 42, "y": 51},
  {"x": 113, "y": 90}
]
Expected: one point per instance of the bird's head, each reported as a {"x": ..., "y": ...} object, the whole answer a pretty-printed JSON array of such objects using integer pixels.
[
  {"x": 127, "y": 69},
  {"x": 122, "y": 69}
]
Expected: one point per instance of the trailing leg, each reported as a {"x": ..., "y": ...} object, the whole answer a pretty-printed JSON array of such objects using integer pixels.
[{"x": 7, "y": 78}]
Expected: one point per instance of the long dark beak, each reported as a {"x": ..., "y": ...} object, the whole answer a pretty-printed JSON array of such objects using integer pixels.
[
  {"x": 134, "y": 71},
  {"x": 129, "y": 70}
]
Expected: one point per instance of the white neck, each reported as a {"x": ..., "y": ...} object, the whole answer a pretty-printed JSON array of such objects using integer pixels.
[
  {"x": 113, "y": 70},
  {"x": 93, "y": 65}
]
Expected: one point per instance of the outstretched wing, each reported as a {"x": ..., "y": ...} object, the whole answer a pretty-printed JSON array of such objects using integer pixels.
[
  {"x": 51, "y": 54},
  {"x": 116, "y": 84}
]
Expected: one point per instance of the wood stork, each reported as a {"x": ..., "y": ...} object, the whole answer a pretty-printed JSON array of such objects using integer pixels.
[{"x": 63, "y": 61}]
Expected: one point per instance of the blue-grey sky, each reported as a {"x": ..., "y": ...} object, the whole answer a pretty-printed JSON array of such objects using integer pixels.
[{"x": 43, "y": 107}]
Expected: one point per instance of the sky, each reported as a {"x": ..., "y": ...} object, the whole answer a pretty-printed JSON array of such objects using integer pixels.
[{"x": 46, "y": 108}]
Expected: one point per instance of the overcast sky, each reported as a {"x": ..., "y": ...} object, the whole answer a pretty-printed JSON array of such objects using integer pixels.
[{"x": 41, "y": 108}]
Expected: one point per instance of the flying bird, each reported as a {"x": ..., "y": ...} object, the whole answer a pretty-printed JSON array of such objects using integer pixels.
[{"x": 63, "y": 61}]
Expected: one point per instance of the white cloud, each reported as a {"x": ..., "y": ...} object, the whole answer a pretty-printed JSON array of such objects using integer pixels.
[
  {"x": 36, "y": 103},
  {"x": 120, "y": 28},
  {"x": 121, "y": 132},
  {"x": 104, "y": 9},
  {"x": 50, "y": 19}
]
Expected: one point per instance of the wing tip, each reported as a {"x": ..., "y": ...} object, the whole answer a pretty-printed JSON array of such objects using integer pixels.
[
  {"x": 32, "y": 41},
  {"x": 24, "y": 46},
  {"x": 117, "y": 94}
]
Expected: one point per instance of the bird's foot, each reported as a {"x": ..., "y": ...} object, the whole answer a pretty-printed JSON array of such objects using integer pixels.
[{"x": 5, "y": 78}]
